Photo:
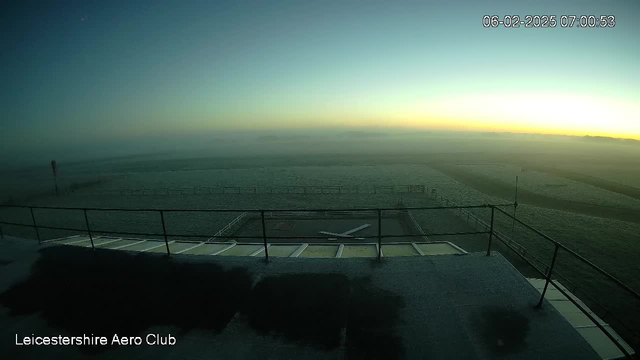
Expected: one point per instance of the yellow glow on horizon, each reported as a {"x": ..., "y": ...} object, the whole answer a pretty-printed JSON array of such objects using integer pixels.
[
  {"x": 548, "y": 114},
  {"x": 558, "y": 114}
]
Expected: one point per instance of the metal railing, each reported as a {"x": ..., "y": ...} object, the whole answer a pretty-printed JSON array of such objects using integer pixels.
[
  {"x": 243, "y": 214},
  {"x": 546, "y": 274},
  {"x": 550, "y": 272},
  {"x": 491, "y": 232}
]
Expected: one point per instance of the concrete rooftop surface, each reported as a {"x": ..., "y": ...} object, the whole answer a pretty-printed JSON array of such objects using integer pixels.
[{"x": 429, "y": 307}]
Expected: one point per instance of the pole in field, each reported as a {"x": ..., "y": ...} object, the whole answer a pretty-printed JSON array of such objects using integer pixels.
[
  {"x": 54, "y": 167},
  {"x": 515, "y": 207}
]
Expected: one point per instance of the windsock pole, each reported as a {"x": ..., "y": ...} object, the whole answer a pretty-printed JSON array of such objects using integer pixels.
[
  {"x": 55, "y": 175},
  {"x": 515, "y": 207}
]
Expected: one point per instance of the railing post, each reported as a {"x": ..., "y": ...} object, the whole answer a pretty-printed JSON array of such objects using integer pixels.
[
  {"x": 379, "y": 234},
  {"x": 264, "y": 237},
  {"x": 164, "y": 232},
  {"x": 86, "y": 221},
  {"x": 546, "y": 284},
  {"x": 34, "y": 224},
  {"x": 491, "y": 231}
]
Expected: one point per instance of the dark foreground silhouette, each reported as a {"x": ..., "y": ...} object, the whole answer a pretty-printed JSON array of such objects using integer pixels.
[{"x": 107, "y": 292}]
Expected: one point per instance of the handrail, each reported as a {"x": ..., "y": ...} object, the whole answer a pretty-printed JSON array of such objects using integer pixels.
[
  {"x": 491, "y": 231},
  {"x": 256, "y": 210},
  {"x": 578, "y": 256},
  {"x": 506, "y": 240}
]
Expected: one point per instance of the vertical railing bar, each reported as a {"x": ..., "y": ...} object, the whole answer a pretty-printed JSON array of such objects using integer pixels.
[
  {"x": 86, "y": 220},
  {"x": 33, "y": 218},
  {"x": 264, "y": 237},
  {"x": 546, "y": 284},
  {"x": 491, "y": 231},
  {"x": 164, "y": 232},
  {"x": 379, "y": 234}
]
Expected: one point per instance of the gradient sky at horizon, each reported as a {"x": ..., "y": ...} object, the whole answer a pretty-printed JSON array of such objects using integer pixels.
[{"x": 96, "y": 70}]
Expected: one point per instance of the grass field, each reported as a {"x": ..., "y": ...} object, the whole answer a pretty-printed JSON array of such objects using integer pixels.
[{"x": 593, "y": 212}]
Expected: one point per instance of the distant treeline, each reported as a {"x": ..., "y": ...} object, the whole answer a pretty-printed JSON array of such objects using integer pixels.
[{"x": 610, "y": 140}]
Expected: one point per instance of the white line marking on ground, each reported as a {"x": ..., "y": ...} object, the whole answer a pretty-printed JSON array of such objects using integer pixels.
[
  {"x": 228, "y": 226},
  {"x": 417, "y": 249},
  {"x": 259, "y": 250},
  {"x": 381, "y": 253},
  {"x": 127, "y": 245},
  {"x": 335, "y": 234},
  {"x": 299, "y": 250},
  {"x": 190, "y": 248},
  {"x": 107, "y": 242},
  {"x": 75, "y": 242},
  {"x": 157, "y": 246},
  {"x": 340, "y": 250},
  {"x": 457, "y": 247},
  {"x": 223, "y": 249},
  {"x": 349, "y": 232}
]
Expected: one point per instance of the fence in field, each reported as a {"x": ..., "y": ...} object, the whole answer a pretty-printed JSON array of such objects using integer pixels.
[
  {"x": 297, "y": 189},
  {"x": 476, "y": 222}
]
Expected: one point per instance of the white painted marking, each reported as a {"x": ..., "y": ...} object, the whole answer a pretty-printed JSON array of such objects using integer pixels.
[
  {"x": 356, "y": 229},
  {"x": 259, "y": 250},
  {"x": 127, "y": 245},
  {"x": 346, "y": 234},
  {"x": 157, "y": 246},
  {"x": 228, "y": 226},
  {"x": 77, "y": 241},
  {"x": 190, "y": 248},
  {"x": 299, "y": 250},
  {"x": 457, "y": 247},
  {"x": 107, "y": 237},
  {"x": 223, "y": 249},
  {"x": 417, "y": 249},
  {"x": 381, "y": 253},
  {"x": 107, "y": 242},
  {"x": 340, "y": 250},
  {"x": 592, "y": 325},
  {"x": 335, "y": 234}
]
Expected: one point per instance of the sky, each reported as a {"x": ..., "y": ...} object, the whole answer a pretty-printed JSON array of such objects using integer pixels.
[{"x": 84, "y": 72}]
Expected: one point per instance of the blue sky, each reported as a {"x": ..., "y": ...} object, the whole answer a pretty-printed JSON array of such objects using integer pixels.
[{"x": 82, "y": 71}]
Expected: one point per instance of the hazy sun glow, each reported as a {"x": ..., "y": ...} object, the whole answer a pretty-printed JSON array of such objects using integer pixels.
[
  {"x": 205, "y": 67},
  {"x": 549, "y": 113}
]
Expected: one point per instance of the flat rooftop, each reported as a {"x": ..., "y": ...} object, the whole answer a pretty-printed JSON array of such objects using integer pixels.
[{"x": 224, "y": 307}]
